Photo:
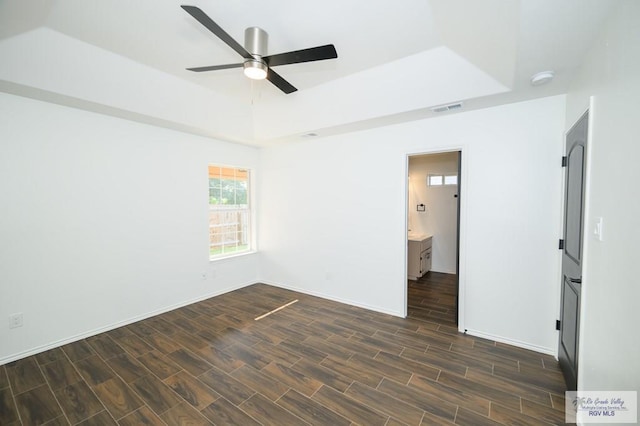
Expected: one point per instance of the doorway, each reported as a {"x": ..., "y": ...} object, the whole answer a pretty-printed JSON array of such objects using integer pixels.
[{"x": 433, "y": 236}]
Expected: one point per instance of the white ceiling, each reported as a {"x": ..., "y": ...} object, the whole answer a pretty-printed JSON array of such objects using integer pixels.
[{"x": 395, "y": 61}]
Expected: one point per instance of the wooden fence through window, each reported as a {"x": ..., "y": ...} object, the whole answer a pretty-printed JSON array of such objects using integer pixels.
[{"x": 228, "y": 226}]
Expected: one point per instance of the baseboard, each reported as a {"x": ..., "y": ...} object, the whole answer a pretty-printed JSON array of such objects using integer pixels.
[
  {"x": 335, "y": 299},
  {"x": 517, "y": 343},
  {"x": 132, "y": 320},
  {"x": 443, "y": 272},
  {"x": 113, "y": 326}
]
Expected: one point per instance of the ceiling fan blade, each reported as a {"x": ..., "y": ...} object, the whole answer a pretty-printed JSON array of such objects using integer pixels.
[
  {"x": 280, "y": 82},
  {"x": 319, "y": 53},
  {"x": 204, "y": 19},
  {"x": 214, "y": 67}
]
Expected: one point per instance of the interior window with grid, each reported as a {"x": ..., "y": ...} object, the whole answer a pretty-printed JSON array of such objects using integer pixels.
[
  {"x": 229, "y": 211},
  {"x": 442, "y": 180}
]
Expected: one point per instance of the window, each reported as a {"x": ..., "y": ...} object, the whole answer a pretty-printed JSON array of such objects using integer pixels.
[
  {"x": 440, "y": 180},
  {"x": 435, "y": 180},
  {"x": 229, "y": 211},
  {"x": 451, "y": 179}
]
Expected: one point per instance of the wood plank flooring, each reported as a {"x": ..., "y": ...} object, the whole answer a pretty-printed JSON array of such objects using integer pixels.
[
  {"x": 314, "y": 362},
  {"x": 433, "y": 298}
]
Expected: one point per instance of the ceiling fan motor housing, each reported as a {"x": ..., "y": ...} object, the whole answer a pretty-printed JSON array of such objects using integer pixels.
[{"x": 255, "y": 41}]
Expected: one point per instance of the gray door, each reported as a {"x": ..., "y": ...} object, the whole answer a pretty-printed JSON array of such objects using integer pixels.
[{"x": 572, "y": 251}]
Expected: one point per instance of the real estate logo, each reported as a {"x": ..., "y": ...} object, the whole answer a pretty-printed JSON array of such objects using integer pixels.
[{"x": 601, "y": 406}]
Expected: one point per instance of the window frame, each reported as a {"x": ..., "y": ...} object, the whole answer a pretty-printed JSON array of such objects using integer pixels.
[{"x": 246, "y": 223}]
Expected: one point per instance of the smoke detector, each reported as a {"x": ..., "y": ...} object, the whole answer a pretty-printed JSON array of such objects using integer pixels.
[{"x": 542, "y": 78}]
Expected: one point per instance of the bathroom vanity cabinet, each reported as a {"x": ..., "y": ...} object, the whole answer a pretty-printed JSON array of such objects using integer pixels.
[{"x": 419, "y": 256}]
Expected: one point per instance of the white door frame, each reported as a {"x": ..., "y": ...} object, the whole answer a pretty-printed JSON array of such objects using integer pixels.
[{"x": 462, "y": 179}]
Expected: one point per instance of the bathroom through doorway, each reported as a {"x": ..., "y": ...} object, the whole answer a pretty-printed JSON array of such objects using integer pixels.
[{"x": 433, "y": 230}]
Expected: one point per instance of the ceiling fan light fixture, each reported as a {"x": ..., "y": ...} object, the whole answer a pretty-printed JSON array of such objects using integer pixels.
[{"x": 255, "y": 69}]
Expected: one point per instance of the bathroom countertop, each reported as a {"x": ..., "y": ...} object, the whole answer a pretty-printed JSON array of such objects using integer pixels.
[{"x": 418, "y": 237}]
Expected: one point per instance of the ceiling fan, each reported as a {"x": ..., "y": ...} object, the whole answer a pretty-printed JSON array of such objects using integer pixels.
[{"x": 257, "y": 64}]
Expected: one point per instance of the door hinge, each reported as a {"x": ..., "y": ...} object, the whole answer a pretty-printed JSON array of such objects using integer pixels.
[
  {"x": 557, "y": 324},
  {"x": 564, "y": 161},
  {"x": 560, "y": 244}
]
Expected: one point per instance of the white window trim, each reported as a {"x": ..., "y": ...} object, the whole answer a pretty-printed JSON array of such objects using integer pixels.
[{"x": 251, "y": 210}]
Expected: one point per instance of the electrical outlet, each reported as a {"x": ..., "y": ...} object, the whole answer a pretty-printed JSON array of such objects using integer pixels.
[{"x": 15, "y": 320}]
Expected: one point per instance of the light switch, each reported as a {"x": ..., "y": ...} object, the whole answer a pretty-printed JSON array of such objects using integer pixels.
[{"x": 597, "y": 229}]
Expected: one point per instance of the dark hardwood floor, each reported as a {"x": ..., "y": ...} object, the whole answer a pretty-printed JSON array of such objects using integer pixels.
[
  {"x": 314, "y": 362},
  {"x": 433, "y": 298}
]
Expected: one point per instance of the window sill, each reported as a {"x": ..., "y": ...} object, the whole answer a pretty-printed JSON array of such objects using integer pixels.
[{"x": 232, "y": 255}]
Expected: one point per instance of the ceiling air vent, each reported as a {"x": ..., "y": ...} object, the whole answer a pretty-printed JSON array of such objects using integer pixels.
[{"x": 445, "y": 108}]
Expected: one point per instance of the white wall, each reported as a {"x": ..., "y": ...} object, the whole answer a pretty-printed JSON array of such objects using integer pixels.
[
  {"x": 333, "y": 216},
  {"x": 441, "y": 207},
  {"x": 609, "y": 357},
  {"x": 102, "y": 221}
]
